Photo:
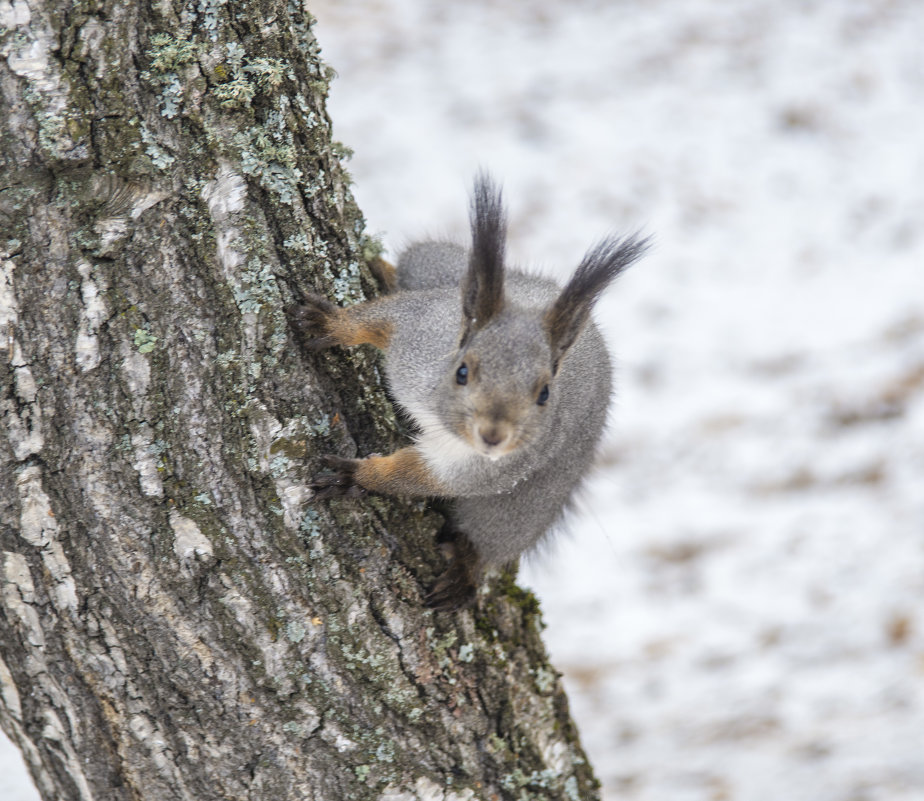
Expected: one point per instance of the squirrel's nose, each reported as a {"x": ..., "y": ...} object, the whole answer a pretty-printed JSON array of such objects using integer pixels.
[{"x": 492, "y": 436}]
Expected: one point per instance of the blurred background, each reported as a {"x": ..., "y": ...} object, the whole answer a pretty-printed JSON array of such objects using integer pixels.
[{"x": 737, "y": 605}]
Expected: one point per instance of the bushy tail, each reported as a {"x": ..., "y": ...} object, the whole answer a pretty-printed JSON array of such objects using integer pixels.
[{"x": 432, "y": 265}]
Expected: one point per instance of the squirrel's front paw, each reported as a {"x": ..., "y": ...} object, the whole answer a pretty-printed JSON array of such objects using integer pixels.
[
  {"x": 312, "y": 321},
  {"x": 340, "y": 482}
]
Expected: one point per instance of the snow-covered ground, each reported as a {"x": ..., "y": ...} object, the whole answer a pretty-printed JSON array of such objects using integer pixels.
[{"x": 737, "y": 610}]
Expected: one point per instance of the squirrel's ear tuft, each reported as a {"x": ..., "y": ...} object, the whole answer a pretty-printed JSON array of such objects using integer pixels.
[
  {"x": 566, "y": 318},
  {"x": 483, "y": 285}
]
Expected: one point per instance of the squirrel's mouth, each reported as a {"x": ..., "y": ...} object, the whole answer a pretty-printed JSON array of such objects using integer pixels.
[
  {"x": 493, "y": 452},
  {"x": 492, "y": 438}
]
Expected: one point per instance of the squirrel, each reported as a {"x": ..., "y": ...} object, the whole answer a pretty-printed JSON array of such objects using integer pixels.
[{"x": 504, "y": 375}]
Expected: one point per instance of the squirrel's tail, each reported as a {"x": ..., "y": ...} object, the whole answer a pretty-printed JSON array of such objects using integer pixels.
[{"x": 431, "y": 265}]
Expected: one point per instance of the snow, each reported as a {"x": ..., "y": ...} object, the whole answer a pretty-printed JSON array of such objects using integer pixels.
[
  {"x": 735, "y": 610},
  {"x": 15, "y": 784}
]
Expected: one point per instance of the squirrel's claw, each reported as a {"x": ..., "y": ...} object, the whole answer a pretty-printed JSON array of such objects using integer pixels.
[
  {"x": 340, "y": 482},
  {"x": 452, "y": 590},
  {"x": 310, "y": 319}
]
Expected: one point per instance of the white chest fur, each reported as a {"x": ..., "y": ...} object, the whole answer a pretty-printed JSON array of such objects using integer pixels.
[{"x": 451, "y": 459}]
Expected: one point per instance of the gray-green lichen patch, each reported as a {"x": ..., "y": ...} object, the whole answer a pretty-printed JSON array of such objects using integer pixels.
[
  {"x": 346, "y": 283},
  {"x": 240, "y": 78},
  {"x": 144, "y": 340},
  {"x": 159, "y": 156},
  {"x": 545, "y": 679},
  {"x": 268, "y": 73},
  {"x": 169, "y": 56},
  {"x": 267, "y": 152},
  {"x": 168, "y": 53},
  {"x": 295, "y": 631},
  {"x": 310, "y": 524},
  {"x": 256, "y": 286}
]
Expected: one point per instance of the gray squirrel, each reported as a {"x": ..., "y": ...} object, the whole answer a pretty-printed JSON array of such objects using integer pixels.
[{"x": 504, "y": 375}]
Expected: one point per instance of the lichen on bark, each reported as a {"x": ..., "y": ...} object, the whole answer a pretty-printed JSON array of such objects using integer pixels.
[{"x": 178, "y": 619}]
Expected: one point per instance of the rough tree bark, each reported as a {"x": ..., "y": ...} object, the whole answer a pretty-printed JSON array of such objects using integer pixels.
[{"x": 178, "y": 620}]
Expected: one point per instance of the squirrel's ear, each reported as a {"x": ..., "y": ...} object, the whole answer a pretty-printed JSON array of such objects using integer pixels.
[
  {"x": 483, "y": 285},
  {"x": 566, "y": 318}
]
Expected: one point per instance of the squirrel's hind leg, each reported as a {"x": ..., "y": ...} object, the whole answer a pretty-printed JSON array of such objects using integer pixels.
[
  {"x": 405, "y": 472},
  {"x": 455, "y": 587}
]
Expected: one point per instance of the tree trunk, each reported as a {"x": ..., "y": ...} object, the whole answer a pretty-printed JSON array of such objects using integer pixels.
[{"x": 179, "y": 620}]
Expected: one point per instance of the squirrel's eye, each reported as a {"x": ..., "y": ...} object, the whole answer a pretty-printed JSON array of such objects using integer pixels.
[
  {"x": 543, "y": 395},
  {"x": 462, "y": 375}
]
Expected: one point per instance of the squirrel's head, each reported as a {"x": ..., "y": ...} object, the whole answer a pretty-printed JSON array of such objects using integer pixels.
[{"x": 503, "y": 379}]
